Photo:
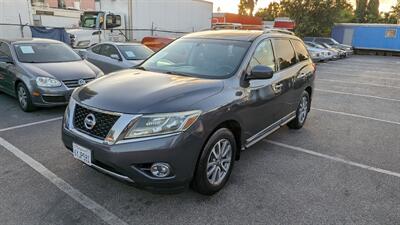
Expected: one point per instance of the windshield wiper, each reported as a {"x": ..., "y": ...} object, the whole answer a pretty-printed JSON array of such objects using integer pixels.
[
  {"x": 140, "y": 68},
  {"x": 177, "y": 73}
]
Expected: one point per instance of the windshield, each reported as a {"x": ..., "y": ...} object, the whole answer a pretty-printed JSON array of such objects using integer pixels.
[
  {"x": 45, "y": 53},
  {"x": 204, "y": 58},
  {"x": 89, "y": 20},
  {"x": 135, "y": 52}
]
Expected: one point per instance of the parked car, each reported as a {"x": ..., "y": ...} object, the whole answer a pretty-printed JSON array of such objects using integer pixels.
[
  {"x": 42, "y": 72},
  {"x": 332, "y": 42},
  {"x": 318, "y": 54},
  {"x": 112, "y": 56},
  {"x": 156, "y": 43},
  {"x": 186, "y": 113},
  {"x": 342, "y": 53},
  {"x": 333, "y": 52}
]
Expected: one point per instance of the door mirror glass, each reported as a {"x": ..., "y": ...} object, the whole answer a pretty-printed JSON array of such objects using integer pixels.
[
  {"x": 115, "y": 56},
  {"x": 260, "y": 72},
  {"x": 113, "y": 21}
]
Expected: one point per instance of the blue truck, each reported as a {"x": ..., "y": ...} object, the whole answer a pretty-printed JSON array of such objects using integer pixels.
[{"x": 378, "y": 37}]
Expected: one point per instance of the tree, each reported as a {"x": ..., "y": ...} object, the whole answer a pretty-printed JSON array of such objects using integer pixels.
[
  {"x": 273, "y": 11},
  {"x": 396, "y": 11},
  {"x": 361, "y": 11},
  {"x": 372, "y": 12},
  {"x": 345, "y": 12},
  {"x": 246, "y": 7},
  {"x": 315, "y": 17}
]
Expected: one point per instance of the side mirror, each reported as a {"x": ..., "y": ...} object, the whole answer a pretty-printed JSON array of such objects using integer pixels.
[
  {"x": 6, "y": 59},
  {"x": 113, "y": 21},
  {"x": 260, "y": 72},
  {"x": 116, "y": 57}
]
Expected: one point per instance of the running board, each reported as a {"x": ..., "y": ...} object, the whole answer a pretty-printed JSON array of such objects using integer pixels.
[{"x": 269, "y": 130}]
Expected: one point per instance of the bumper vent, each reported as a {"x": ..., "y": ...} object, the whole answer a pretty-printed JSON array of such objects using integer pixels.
[{"x": 104, "y": 122}]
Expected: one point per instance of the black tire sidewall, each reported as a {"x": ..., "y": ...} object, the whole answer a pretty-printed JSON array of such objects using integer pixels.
[{"x": 201, "y": 183}]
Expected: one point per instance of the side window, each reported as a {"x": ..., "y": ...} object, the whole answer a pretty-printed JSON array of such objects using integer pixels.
[
  {"x": 263, "y": 55},
  {"x": 284, "y": 53},
  {"x": 4, "y": 50},
  {"x": 301, "y": 51},
  {"x": 108, "y": 50},
  {"x": 96, "y": 49}
]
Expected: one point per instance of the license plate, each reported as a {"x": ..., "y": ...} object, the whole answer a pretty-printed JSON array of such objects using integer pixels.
[{"x": 83, "y": 154}]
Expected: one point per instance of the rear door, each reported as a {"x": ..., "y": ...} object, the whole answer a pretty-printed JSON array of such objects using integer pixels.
[
  {"x": 305, "y": 70},
  {"x": 102, "y": 58},
  {"x": 283, "y": 84}
]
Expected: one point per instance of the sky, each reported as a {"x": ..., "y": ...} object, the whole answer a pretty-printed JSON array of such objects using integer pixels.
[{"x": 231, "y": 5}]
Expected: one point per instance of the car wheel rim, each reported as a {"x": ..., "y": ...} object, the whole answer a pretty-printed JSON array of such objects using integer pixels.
[
  {"x": 219, "y": 162},
  {"x": 303, "y": 109},
  {"x": 22, "y": 96}
]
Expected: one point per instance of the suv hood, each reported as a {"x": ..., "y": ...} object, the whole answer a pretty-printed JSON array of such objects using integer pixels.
[
  {"x": 137, "y": 91},
  {"x": 61, "y": 70}
]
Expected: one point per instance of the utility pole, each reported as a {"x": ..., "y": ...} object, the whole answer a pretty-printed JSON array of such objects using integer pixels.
[{"x": 130, "y": 18}]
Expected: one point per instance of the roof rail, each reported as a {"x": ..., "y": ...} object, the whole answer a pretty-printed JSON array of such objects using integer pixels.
[{"x": 271, "y": 30}]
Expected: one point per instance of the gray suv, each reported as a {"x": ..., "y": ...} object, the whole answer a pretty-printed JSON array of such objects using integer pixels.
[{"x": 183, "y": 117}]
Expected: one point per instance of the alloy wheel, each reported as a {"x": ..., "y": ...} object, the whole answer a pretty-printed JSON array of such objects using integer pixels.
[
  {"x": 22, "y": 97},
  {"x": 303, "y": 109},
  {"x": 219, "y": 162}
]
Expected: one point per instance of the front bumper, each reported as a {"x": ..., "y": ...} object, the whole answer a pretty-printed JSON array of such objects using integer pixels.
[
  {"x": 47, "y": 97},
  {"x": 130, "y": 161}
]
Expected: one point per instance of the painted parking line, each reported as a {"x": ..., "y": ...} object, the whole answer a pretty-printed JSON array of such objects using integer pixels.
[
  {"x": 356, "y": 116},
  {"x": 336, "y": 159},
  {"x": 78, "y": 196},
  {"x": 29, "y": 124},
  {"x": 360, "y": 76},
  {"x": 361, "y": 83},
  {"x": 357, "y": 70},
  {"x": 359, "y": 95}
]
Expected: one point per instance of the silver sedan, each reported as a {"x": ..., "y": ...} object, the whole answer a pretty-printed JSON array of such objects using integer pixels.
[{"x": 111, "y": 56}]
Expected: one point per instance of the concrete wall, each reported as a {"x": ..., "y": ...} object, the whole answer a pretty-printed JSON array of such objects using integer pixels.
[{"x": 9, "y": 13}]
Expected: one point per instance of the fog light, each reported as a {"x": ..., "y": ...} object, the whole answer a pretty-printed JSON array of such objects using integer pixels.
[{"x": 160, "y": 170}]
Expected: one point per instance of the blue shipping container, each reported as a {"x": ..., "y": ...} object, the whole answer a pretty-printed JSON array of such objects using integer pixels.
[{"x": 384, "y": 37}]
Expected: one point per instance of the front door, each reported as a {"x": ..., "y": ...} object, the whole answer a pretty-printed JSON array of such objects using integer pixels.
[{"x": 262, "y": 102}]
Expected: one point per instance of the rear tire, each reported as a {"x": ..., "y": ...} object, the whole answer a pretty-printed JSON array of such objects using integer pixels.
[
  {"x": 24, "y": 98},
  {"x": 216, "y": 163},
  {"x": 302, "y": 112}
]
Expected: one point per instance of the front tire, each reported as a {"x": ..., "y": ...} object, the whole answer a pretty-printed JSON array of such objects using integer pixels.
[
  {"x": 216, "y": 163},
  {"x": 301, "y": 112},
  {"x": 24, "y": 98}
]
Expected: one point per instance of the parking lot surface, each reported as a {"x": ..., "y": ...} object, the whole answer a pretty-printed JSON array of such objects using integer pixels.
[{"x": 341, "y": 168}]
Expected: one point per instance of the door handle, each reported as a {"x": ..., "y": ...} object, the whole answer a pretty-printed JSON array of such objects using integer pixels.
[{"x": 277, "y": 87}]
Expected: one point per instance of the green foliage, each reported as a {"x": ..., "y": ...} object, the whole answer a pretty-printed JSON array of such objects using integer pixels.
[
  {"x": 361, "y": 11},
  {"x": 246, "y": 7},
  {"x": 373, "y": 15},
  {"x": 316, "y": 17},
  {"x": 273, "y": 11}
]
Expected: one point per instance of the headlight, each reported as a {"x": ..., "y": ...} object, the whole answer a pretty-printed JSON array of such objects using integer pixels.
[
  {"x": 313, "y": 54},
  {"x": 166, "y": 123},
  {"x": 47, "y": 82}
]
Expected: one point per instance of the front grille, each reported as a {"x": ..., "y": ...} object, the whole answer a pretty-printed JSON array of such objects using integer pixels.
[
  {"x": 75, "y": 83},
  {"x": 54, "y": 99},
  {"x": 104, "y": 122}
]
